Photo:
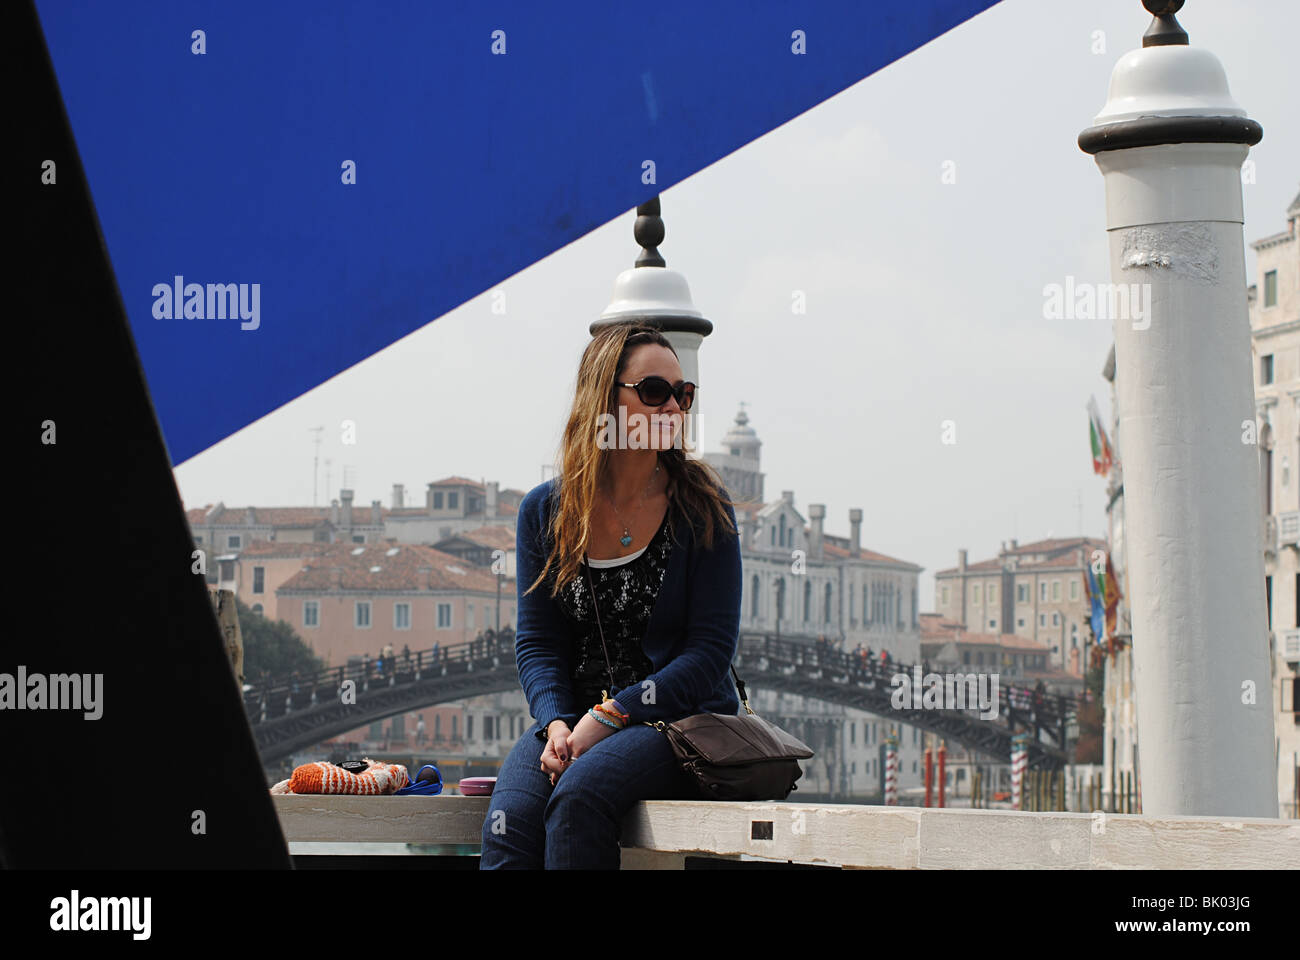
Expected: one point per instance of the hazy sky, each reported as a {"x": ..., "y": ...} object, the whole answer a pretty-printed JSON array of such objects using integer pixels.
[{"x": 924, "y": 300}]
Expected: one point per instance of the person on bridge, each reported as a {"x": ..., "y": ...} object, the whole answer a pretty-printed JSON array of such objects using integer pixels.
[{"x": 653, "y": 534}]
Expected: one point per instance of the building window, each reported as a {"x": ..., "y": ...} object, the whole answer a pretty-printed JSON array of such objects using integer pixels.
[
  {"x": 979, "y": 658},
  {"x": 363, "y": 614},
  {"x": 310, "y": 613},
  {"x": 488, "y": 732},
  {"x": 1022, "y": 593},
  {"x": 1042, "y": 591},
  {"x": 773, "y": 536},
  {"x": 1056, "y": 589},
  {"x": 259, "y": 579},
  {"x": 227, "y": 570},
  {"x": 437, "y": 500},
  {"x": 1266, "y": 369},
  {"x": 853, "y": 732},
  {"x": 1268, "y": 599},
  {"x": 444, "y": 616},
  {"x": 453, "y": 500},
  {"x": 257, "y": 609},
  {"x": 1074, "y": 589},
  {"x": 826, "y": 618},
  {"x": 807, "y": 600},
  {"x": 1270, "y": 291},
  {"x": 1042, "y": 619},
  {"x": 1056, "y": 619},
  {"x": 358, "y": 538},
  {"x": 993, "y": 623},
  {"x": 401, "y": 616},
  {"x": 198, "y": 538},
  {"x": 753, "y": 597},
  {"x": 975, "y": 593},
  {"x": 469, "y": 617},
  {"x": 1020, "y": 622},
  {"x": 965, "y": 657},
  {"x": 943, "y": 592},
  {"x": 469, "y": 726},
  {"x": 232, "y": 541}
]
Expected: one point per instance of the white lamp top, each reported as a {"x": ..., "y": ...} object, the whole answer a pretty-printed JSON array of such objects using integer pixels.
[
  {"x": 1168, "y": 92},
  {"x": 650, "y": 291}
]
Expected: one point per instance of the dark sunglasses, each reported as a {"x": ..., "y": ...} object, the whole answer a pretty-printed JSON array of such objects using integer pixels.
[{"x": 655, "y": 391}]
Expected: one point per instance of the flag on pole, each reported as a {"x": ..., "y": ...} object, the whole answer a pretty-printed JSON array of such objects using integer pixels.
[
  {"x": 1102, "y": 455},
  {"x": 1097, "y": 610},
  {"x": 1112, "y": 602}
]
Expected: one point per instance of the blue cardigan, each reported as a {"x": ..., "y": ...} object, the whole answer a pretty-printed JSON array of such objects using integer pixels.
[{"x": 691, "y": 638}]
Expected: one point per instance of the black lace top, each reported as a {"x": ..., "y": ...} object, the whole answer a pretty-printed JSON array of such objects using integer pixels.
[{"x": 626, "y": 594}]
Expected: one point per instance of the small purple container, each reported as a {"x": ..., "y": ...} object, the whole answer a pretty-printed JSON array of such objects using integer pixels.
[{"x": 476, "y": 786}]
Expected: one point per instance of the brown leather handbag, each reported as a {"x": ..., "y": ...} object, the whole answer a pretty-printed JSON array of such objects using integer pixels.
[{"x": 729, "y": 757}]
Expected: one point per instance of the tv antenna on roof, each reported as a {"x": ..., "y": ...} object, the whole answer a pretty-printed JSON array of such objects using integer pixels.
[{"x": 315, "y": 464}]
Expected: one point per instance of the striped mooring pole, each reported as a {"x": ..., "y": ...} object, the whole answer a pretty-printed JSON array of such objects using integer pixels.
[
  {"x": 891, "y": 770},
  {"x": 1019, "y": 764}
]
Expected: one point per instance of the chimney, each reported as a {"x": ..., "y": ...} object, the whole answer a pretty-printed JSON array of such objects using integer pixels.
[
  {"x": 490, "y": 510},
  {"x": 334, "y": 512},
  {"x": 817, "y": 514},
  {"x": 788, "y": 496},
  {"x": 855, "y": 534},
  {"x": 428, "y": 500},
  {"x": 399, "y": 496},
  {"x": 961, "y": 560},
  {"x": 424, "y": 578},
  {"x": 376, "y": 512},
  {"x": 250, "y": 516},
  {"x": 346, "y": 497},
  {"x": 336, "y": 577}
]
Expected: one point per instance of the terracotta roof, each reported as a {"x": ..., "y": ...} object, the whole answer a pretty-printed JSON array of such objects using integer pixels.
[
  {"x": 948, "y": 632},
  {"x": 842, "y": 552},
  {"x": 272, "y": 516},
  {"x": 984, "y": 566},
  {"x": 492, "y": 536},
  {"x": 197, "y": 515},
  {"x": 1064, "y": 560},
  {"x": 1054, "y": 544},
  {"x": 937, "y": 623},
  {"x": 458, "y": 482},
  {"x": 400, "y": 571},
  {"x": 276, "y": 548},
  {"x": 1064, "y": 545}
]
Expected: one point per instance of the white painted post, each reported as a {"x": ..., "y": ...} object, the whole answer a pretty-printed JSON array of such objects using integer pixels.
[
  {"x": 653, "y": 294},
  {"x": 1170, "y": 142}
]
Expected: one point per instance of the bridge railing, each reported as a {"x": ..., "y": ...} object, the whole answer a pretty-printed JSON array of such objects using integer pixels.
[{"x": 278, "y": 696}]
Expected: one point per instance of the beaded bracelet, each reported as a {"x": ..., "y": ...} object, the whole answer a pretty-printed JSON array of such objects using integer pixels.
[{"x": 603, "y": 719}]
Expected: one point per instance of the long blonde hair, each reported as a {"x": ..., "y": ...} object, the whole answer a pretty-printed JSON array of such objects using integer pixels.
[{"x": 693, "y": 485}]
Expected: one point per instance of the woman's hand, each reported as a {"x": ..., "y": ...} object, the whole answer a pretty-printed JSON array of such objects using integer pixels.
[
  {"x": 587, "y": 734},
  {"x": 556, "y": 756}
]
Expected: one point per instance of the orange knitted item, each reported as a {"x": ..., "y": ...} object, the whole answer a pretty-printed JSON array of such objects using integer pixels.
[{"x": 380, "y": 778}]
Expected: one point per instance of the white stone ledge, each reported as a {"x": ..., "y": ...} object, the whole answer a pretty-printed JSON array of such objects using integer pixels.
[{"x": 659, "y": 833}]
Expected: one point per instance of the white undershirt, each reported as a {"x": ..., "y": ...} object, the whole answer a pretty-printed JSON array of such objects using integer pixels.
[{"x": 615, "y": 561}]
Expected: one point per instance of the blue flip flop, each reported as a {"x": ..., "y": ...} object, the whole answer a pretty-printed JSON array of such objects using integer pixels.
[{"x": 427, "y": 787}]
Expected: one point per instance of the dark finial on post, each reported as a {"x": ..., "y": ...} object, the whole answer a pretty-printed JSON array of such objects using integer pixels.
[
  {"x": 1165, "y": 29},
  {"x": 649, "y": 232}
]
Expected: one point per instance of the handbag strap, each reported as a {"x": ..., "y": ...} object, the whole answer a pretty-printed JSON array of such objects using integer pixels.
[{"x": 740, "y": 684}]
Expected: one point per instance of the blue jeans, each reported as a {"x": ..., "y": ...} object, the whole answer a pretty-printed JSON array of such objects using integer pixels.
[{"x": 575, "y": 824}]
